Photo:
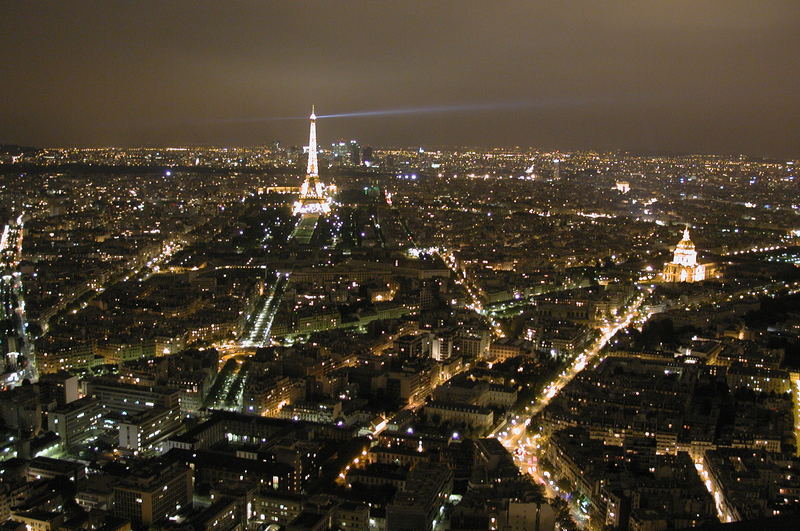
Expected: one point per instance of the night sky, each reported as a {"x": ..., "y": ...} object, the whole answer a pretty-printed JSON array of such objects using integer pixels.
[{"x": 662, "y": 76}]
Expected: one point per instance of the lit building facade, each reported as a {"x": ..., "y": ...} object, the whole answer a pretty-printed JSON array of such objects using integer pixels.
[
  {"x": 684, "y": 266},
  {"x": 151, "y": 493},
  {"x": 142, "y": 430},
  {"x": 75, "y": 422}
]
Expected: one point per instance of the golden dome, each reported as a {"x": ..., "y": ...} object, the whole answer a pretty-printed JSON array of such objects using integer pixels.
[{"x": 686, "y": 243}]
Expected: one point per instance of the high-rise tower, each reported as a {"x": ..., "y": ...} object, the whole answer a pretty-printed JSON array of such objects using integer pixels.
[{"x": 314, "y": 197}]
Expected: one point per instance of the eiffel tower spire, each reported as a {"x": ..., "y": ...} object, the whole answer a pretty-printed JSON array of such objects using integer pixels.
[{"x": 313, "y": 166}]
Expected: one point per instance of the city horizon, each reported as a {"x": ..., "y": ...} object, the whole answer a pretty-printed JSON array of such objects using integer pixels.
[
  {"x": 431, "y": 147},
  {"x": 642, "y": 78}
]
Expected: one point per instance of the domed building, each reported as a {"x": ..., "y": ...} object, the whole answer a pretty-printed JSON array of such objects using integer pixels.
[{"x": 684, "y": 266}]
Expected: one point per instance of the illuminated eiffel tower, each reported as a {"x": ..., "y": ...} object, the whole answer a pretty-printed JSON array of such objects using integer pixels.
[{"x": 314, "y": 197}]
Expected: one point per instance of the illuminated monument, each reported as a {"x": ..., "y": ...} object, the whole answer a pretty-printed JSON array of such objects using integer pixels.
[
  {"x": 314, "y": 196},
  {"x": 684, "y": 266}
]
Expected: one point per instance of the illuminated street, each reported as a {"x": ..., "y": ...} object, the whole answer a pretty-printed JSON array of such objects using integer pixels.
[
  {"x": 260, "y": 325},
  {"x": 20, "y": 362},
  {"x": 515, "y": 435}
]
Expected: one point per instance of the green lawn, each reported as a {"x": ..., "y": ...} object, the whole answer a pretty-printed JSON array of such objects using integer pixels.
[{"x": 305, "y": 229}]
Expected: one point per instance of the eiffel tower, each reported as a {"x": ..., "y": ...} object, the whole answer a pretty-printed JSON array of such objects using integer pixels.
[{"x": 314, "y": 198}]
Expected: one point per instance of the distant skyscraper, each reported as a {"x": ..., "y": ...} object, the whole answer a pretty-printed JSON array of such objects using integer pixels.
[
  {"x": 367, "y": 156},
  {"x": 314, "y": 198},
  {"x": 346, "y": 153},
  {"x": 341, "y": 152},
  {"x": 355, "y": 153},
  {"x": 557, "y": 170}
]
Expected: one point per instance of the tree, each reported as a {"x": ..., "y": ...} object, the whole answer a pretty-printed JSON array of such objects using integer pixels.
[
  {"x": 535, "y": 494},
  {"x": 563, "y": 519}
]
